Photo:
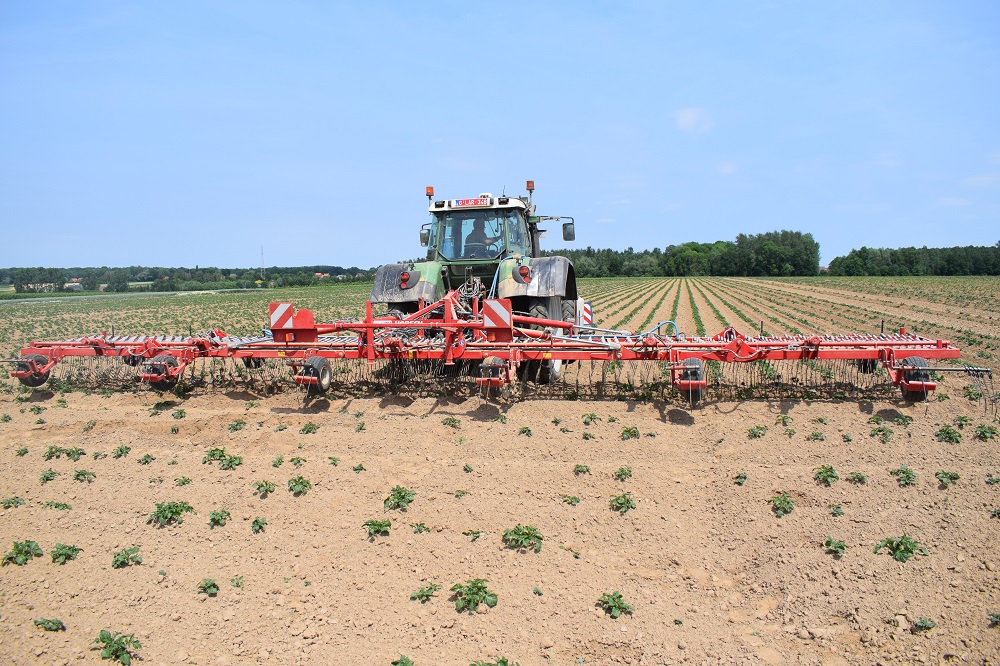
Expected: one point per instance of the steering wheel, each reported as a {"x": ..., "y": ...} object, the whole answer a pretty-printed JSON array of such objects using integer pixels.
[{"x": 477, "y": 250}]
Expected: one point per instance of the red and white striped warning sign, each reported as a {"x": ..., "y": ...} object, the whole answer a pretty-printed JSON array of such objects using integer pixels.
[
  {"x": 585, "y": 313},
  {"x": 281, "y": 315},
  {"x": 496, "y": 313}
]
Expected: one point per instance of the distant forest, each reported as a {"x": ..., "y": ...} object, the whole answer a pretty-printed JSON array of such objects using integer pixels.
[
  {"x": 772, "y": 254},
  {"x": 919, "y": 261}
]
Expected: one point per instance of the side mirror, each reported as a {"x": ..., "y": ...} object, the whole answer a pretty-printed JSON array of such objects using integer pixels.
[
  {"x": 425, "y": 237},
  {"x": 569, "y": 231}
]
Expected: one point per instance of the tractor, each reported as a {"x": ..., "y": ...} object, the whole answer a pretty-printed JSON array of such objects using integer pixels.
[{"x": 486, "y": 247}]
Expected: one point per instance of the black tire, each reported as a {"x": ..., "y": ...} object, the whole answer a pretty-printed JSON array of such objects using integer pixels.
[
  {"x": 132, "y": 359},
  {"x": 159, "y": 366},
  {"x": 318, "y": 367},
  {"x": 32, "y": 380},
  {"x": 915, "y": 375},
  {"x": 694, "y": 370},
  {"x": 542, "y": 372},
  {"x": 569, "y": 310}
]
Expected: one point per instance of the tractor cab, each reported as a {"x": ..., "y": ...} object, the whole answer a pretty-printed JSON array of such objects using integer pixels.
[{"x": 477, "y": 229}]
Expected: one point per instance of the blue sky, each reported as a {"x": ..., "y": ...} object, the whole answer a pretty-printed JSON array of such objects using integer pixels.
[{"x": 184, "y": 133}]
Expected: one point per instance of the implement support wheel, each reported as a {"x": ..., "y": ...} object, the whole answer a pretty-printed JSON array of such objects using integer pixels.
[
  {"x": 159, "y": 366},
  {"x": 318, "y": 367},
  {"x": 694, "y": 370},
  {"x": 34, "y": 380},
  {"x": 918, "y": 374}
]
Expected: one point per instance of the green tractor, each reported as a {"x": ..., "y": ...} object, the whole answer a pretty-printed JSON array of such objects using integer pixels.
[{"x": 486, "y": 246}]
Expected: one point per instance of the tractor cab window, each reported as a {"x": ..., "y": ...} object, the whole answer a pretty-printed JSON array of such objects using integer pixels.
[
  {"x": 473, "y": 234},
  {"x": 517, "y": 237}
]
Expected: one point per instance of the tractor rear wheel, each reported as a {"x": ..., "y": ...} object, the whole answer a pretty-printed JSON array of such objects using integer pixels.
[
  {"x": 318, "y": 367},
  {"x": 547, "y": 371},
  {"x": 160, "y": 366},
  {"x": 33, "y": 380},
  {"x": 694, "y": 371},
  {"x": 918, "y": 374}
]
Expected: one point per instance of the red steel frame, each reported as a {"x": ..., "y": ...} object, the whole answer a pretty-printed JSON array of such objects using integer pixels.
[{"x": 499, "y": 338}]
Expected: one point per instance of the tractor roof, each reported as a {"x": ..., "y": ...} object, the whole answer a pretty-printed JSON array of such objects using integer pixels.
[{"x": 484, "y": 200}]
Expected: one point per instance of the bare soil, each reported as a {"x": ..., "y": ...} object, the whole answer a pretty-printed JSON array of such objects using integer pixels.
[{"x": 712, "y": 575}]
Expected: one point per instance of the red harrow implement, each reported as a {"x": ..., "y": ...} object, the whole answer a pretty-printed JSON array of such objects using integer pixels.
[{"x": 501, "y": 346}]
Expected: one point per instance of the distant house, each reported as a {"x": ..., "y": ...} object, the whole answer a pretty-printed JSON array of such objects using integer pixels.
[
  {"x": 73, "y": 286},
  {"x": 321, "y": 275}
]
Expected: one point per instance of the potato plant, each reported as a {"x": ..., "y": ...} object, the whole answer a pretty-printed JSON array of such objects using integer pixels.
[
  {"x": 118, "y": 647},
  {"x": 263, "y": 488},
  {"x": 614, "y": 605},
  {"x": 298, "y": 485},
  {"x": 22, "y": 552},
  {"x": 377, "y": 527},
  {"x": 218, "y": 518},
  {"x": 258, "y": 525},
  {"x": 208, "y": 587},
  {"x": 523, "y": 537},
  {"x": 473, "y": 592},
  {"x": 399, "y": 498},
  {"x": 424, "y": 594},
  {"x": 61, "y": 553},
  {"x": 826, "y": 475},
  {"x": 782, "y": 504},
  {"x": 901, "y": 548},
  {"x": 12, "y": 502},
  {"x": 622, "y": 503},
  {"x": 169, "y": 513},
  {"x": 54, "y": 624},
  {"x": 904, "y": 476},
  {"x": 126, "y": 558}
]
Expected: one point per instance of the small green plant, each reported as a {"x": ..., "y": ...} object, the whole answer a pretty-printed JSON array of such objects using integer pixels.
[
  {"x": 230, "y": 462},
  {"x": 574, "y": 553},
  {"x": 58, "y": 506},
  {"x": 281, "y": 427},
  {"x": 972, "y": 392},
  {"x": 37, "y": 409},
  {"x": 467, "y": 468},
  {"x": 857, "y": 478},
  {"x": 501, "y": 418},
  {"x": 992, "y": 480},
  {"x": 297, "y": 461},
  {"x": 630, "y": 433},
  {"x": 168, "y": 513},
  {"x": 846, "y": 438},
  {"x": 121, "y": 451},
  {"x": 277, "y": 461},
  {"x": 820, "y": 420},
  {"x": 524, "y": 430},
  {"x": 118, "y": 647},
  {"x": 834, "y": 547},
  {"x": 126, "y": 558},
  {"x": 923, "y": 624},
  {"x": 53, "y": 452},
  {"x": 946, "y": 478},
  {"x": 904, "y": 476},
  {"x": 178, "y": 414},
  {"x": 97, "y": 455},
  {"x": 402, "y": 661},
  {"x": 399, "y": 498},
  {"x": 740, "y": 478},
  {"x": 54, "y": 624},
  {"x": 523, "y": 536},
  {"x": 236, "y": 582},
  {"x": 48, "y": 475},
  {"x": 309, "y": 428},
  {"x": 782, "y": 504},
  {"x": 459, "y": 494},
  {"x": 258, "y": 525},
  {"x": 21, "y": 452},
  {"x": 883, "y": 432},
  {"x": 472, "y": 534},
  {"x": 298, "y": 486},
  {"x": 236, "y": 425},
  {"x": 263, "y": 488},
  {"x": 419, "y": 528},
  {"x": 360, "y": 426},
  {"x": 89, "y": 425},
  {"x": 537, "y": 592},
  {"x": 986, "y": 432},
  {"x": 182, "y": 481},
  {"x": 360, "y": 467},
  {"x": 816, "y": 436},
  {"x": 556, "y": 421},
  {"x": 948, "y": 434},
  {"x": 623, "y": 473},
  {"x": 451, "y": 422},
  {"x": 4, "y": 418},
  {"x": 783, "y": 420},
  {"x": 146, "y": 459},
  {"x": 424, "y": 594},
  {"x": 826, "y": 474},
  {"x": 156, "y": 480},
  {"x": 961, "y": 421},
  {"x": 590, "y": 418},
  {"x": 572, "y": 500},
  {"x": 995, "y": 513},
  {"x": 75, "y": 453},
  {"x": 581, "y": 469},
  {"x": 622, "y": 503},
  {"x": 208, "y": 586},
  {"x": 218, "y": 518},
  {"x": 994, "y": 619},
  {"x": 61, "y": 553},
  {"x": 377, "y": 527},
  {"x": 588, "y": 435},
  {"x": 334, "y": 460},
  {"x": 12, "y": 502},
  {"x": 614, "y": 605},
  {"x": 83, "y": 475},
  {"x": 757, "y": 432},
  {"x": 835, "y": 510},
  {"x": 473, "y": 593},
  {"x": 901, "y": 548},
  {"x": 21, "y": 552}
]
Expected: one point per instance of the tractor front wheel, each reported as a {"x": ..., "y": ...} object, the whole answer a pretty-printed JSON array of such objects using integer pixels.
[{"x": 547, "y": 371}]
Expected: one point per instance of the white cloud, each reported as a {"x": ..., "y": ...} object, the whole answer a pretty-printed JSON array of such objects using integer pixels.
[
  {"x": 693, "y": 120},
  {"x": 727, "y": 168},
  {"x": 954, "y": 201},
  {"x": 986, "y": 180}
]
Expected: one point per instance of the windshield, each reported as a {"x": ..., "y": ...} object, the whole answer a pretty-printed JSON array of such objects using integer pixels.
[{"x": 476, "y": 234}]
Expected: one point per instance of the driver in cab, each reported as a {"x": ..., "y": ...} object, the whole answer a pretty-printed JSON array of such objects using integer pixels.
[{"x": 478, "y": 238}]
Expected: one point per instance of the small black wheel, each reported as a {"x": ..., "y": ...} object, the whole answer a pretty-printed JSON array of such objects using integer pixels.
[
  {"x": 918, "y": 374},
  {"x": 33, "y": 380},
  {"x": 132, "y": 359},
  {"x": 318, "y": 367},
  {"x": 159, "y": 366},
  {"x": 694, "y": 371}
]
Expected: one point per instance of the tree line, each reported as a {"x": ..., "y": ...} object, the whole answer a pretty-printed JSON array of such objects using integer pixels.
[
  {"x": 771, "y": 254},
  {"x": 969, "y": 260},
  {"x": 144, "y": 278}
]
